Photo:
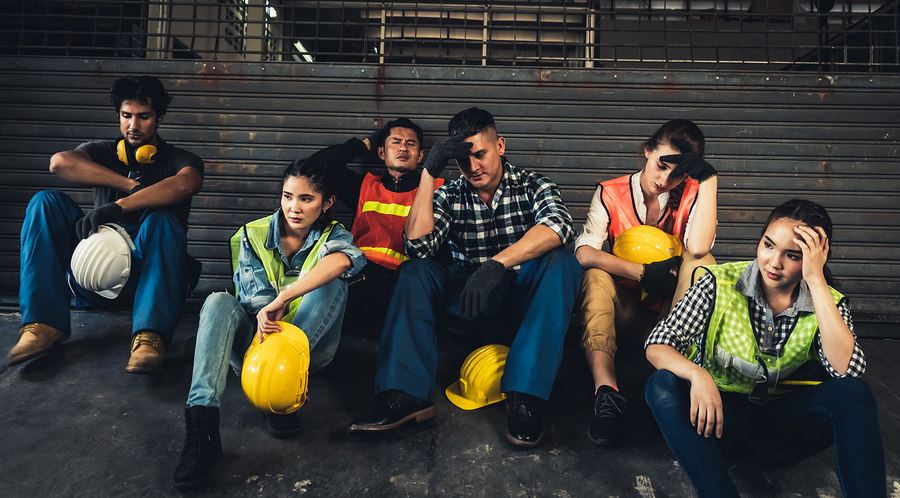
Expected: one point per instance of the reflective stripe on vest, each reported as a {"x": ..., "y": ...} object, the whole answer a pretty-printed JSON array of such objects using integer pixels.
[
  {"x": 378, "y": 225},
  {"x": 256, "y": 232},
  {"x": 618, "y": 200},
  {"x": 731, "y": 349}
]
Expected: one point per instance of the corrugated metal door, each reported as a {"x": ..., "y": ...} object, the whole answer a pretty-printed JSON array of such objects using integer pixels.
[{"x": 772, "y": 136}]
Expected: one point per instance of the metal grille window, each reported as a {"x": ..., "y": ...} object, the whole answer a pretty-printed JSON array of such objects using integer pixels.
[{"x": 831, "y": 35}]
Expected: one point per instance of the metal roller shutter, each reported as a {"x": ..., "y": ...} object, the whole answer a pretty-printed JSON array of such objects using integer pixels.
[{"x": 772, "y": 136}]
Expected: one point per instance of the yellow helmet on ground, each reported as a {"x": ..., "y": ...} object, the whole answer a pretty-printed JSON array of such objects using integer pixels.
[
  {"x": 646, "y": 244},
  {"x": 276, "y": 371},
  {"x": 479, "y": 378}
]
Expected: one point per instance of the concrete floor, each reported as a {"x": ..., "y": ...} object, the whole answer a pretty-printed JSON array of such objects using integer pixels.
[{"x": 73, "y": 423}]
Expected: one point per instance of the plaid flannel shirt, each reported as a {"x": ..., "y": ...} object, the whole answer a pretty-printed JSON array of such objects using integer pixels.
[
  {"x": 477, "y": 232},
  {"x": 688, "y": 322}
]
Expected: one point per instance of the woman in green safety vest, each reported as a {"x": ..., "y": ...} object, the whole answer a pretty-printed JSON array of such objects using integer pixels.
[
  {"x": 742, "y": 358},
  {"x": 290, "y": 266}
]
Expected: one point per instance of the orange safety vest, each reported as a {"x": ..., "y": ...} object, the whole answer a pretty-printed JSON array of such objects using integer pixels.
[
  {"x": 378, "y": 225},
  {"x": 618, "y": 199}
]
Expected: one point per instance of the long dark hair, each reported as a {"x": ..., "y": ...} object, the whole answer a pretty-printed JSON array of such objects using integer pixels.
[
  {"x": 321, "y": 177},
  {"x": 810, "y": 214},
  {"x": 677, "y": 131}
]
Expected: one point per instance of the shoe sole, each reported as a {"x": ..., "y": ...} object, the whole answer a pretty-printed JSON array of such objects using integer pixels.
[
  {"x": 420, "y": 416},
  {"x": 196, "y": 483},
  {"x": 524, "y": 444},
  {"x": 15, "y": 360},
  {"x": 603, "y": 442},
  {"x": 143, "y": 370}
]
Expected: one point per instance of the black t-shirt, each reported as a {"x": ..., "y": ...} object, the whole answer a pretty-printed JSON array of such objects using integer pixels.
[{"x": 169, "y": 161}]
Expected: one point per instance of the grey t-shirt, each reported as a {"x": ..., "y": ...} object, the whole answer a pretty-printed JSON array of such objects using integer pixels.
[{"x": 169, "y": 161}]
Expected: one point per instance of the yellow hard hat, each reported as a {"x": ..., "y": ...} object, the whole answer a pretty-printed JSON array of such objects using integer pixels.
[
  {"x": 276, "y": 371},
  {"x": 479, "y": 378},
  {"x": 646, "y": 244}
]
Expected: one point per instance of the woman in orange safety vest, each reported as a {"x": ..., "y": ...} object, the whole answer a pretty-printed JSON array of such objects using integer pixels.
[{"x": 675, "y": 191}]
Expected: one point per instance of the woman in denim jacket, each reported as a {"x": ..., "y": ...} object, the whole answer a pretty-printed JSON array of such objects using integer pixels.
[{"x": 278, "y": 261}]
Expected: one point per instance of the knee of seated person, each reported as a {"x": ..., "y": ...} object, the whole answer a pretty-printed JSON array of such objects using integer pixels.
[
  {"x": 851, "y": 392},
  {"x": 217, "y": 300},
  {"x": 163, "y": 221},
  {"x": 46, "y": 198},
  {"x": 661, "y": 386},
  {"x": 416, "y": 268},
  {"x": 597, "y": 280}
]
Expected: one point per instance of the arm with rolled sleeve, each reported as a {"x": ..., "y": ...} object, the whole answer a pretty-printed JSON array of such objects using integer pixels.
[
  {"x": 857, "y": 365},
  {"x": 552, "y": 225},
  {"x": 551, "y": 211},
  {"x": 689, "y": 319},
  {"x": 427, "y": 245},
  {"x": 342, "y": 241}
]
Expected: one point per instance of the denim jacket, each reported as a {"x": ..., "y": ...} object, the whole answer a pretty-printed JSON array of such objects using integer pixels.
[{"x": 254, "y": 291}]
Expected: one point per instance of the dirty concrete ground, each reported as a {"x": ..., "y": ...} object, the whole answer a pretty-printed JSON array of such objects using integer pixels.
[{"x": 73, "y": 423}]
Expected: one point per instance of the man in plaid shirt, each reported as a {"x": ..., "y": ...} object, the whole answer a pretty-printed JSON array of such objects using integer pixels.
[{"x": 512, "y": 281}]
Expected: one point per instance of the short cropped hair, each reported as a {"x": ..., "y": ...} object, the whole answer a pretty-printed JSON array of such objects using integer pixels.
[
  {"x": 146, "y": 89},
  {"x": 471, "y": 122}
]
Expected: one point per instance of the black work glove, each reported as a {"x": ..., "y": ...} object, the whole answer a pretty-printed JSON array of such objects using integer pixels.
[
  {"x": 657, "y": 277},
  {"x": 689, "y": 163},
  {"x": 474, "y": 297},
  {"x": 108, "y": 213},
  {"x": 441, "y": 152}
]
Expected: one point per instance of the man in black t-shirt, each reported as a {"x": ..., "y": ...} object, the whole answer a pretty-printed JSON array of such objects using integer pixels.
[{"x": 141, "y": 183}]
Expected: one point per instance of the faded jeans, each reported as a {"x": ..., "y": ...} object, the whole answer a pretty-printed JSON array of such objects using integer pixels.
[{"x": 226, "y": 330}]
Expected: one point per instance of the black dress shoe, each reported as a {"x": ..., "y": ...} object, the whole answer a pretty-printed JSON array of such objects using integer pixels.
[
  {"x": 283, "y": 426},
  {"x": 393, "y": 408},
  {"x": 202, "y": 447},
  {"x": 524, "y": 426}
]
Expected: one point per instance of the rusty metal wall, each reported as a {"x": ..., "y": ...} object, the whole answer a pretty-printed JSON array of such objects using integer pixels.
[{"x": 772, "y": 136}]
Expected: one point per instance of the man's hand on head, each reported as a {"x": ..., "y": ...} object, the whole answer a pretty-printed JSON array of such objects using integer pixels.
[{"x": 442, "y": 152}]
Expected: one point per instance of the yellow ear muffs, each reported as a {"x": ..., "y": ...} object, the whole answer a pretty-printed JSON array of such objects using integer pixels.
[{"x": 145, "y": 154}]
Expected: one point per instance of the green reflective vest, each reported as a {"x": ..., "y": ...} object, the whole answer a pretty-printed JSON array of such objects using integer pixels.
[
  {"x": 731, "y": 352},
  {"x": 256, "y": 233}
]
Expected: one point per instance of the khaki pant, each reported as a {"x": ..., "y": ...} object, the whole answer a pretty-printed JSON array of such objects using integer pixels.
[{"x": 604, "y": 307}]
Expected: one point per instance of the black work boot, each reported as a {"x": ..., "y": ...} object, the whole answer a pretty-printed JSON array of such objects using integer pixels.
[{"x": 202, "y": 446}]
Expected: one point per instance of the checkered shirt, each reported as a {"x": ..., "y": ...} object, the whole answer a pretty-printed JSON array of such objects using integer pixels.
[
  {"x": 477, "y": 232},
  {"x": 688, "y": 322}
]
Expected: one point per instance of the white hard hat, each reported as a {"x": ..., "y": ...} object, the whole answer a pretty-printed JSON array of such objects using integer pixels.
[{"x": 102, "y": 262}]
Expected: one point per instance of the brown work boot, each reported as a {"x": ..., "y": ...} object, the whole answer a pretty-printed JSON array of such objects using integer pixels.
[
  {"x": 147, "y": 353},
  {"x": 35, "y": 339}
]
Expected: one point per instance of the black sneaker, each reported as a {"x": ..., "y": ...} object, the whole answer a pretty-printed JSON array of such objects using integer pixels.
[
  {"x": 608, "y": 426},
  {"x": 283, "y": 426}
]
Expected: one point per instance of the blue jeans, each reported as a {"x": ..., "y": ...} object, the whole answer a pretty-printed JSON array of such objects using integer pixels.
[
  {"x": 156, "y": 287},
  {"x": 528, "y": 310},
  {"x": 226, "y": 329},
  {"x": 839, "y": 411}
]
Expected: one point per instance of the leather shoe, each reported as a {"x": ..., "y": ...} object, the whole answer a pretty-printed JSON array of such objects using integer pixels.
[
  {"x": 202, "y": 446},
  {"x": 393, "y": 408},
  {"x": 35, "y": 339},
  {"x": 524, "y": 426},
  {"x": 147, "y": 353},
  {"x": 282, "y": 426}
]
